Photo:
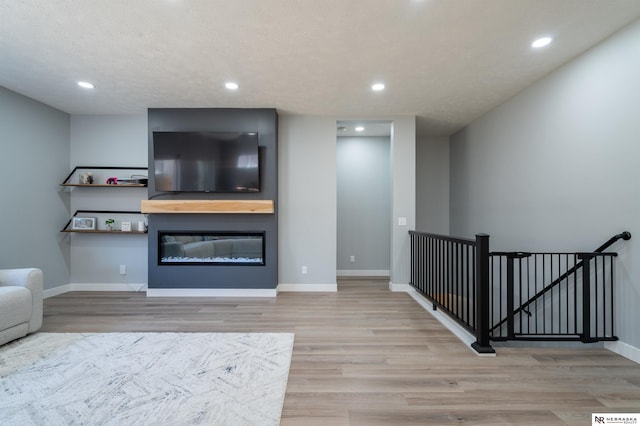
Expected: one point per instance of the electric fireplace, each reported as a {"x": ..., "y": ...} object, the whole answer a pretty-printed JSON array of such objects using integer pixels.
[{"x": 211, "y": 248}]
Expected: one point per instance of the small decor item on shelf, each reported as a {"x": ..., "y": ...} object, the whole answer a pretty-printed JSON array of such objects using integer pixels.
[
  {"x": 109, "y": 223},
  {"x": 86, "y": 178},
  {"x": 126, "y": 227},
  {"x": 112, "y": 181},
  {"x": 83, "y": 223}
]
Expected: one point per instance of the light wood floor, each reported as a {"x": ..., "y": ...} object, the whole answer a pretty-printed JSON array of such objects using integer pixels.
[{"x": 367, "y": 356}]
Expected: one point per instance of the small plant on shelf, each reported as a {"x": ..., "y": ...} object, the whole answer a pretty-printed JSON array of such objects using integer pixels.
[{"x": 109, "y": 223}]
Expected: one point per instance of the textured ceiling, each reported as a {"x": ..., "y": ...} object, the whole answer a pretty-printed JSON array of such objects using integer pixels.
[{"x": 446, "y": 61}]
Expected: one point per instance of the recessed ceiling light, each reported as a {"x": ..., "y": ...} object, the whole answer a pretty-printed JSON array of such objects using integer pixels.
[
  {"x": 377, "y": 87},
  {"x": 85, "y": 85},
  {"x": 359, "y": 129},
  {"x": 231, "y": 85},
  {"x": 541, "y": 42}
]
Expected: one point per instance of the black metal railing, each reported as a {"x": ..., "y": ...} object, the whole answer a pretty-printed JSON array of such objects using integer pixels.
[
  {"x": 552, "y": 296},
  {"x": 517, "y": 295},
  {"x": 453, "y": 274}
]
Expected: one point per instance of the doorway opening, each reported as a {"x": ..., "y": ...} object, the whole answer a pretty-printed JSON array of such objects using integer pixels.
[{"x": 363, "y": 198}]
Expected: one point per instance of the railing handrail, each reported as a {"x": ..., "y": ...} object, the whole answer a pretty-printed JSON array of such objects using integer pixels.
[
  {"x": 444, "y": 237},
  {"x": 597, "y": 252},
  {"x": 523, "y": 254},
  {"x": 626, "y": 235}
]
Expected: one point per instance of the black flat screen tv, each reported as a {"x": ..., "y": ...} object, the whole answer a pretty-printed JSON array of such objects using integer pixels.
[{"x": 206, "y": 162}]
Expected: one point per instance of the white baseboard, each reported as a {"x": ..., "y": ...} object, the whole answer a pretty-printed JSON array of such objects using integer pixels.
[
  {"x": 324, "y": 288},
  {"x": 192, "y": 292},
  {"x": 363, "y": 273},
  {"x": 400, "y": 287},
  {"x": 51, "y": 292},
  {"x": 624, "y": 349},
  {"x": 211, "y": 292},
  {"x": 459, "y": 331},
  {"x": 94, "y": 287}
]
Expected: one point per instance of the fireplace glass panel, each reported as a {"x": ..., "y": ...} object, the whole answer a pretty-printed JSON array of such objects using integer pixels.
[{"x": 212, "y": 248}]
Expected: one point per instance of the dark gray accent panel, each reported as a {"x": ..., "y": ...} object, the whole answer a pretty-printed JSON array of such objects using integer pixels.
[
  {"x": 263, "y": 121},
  {"x": 214, "y": 276}
]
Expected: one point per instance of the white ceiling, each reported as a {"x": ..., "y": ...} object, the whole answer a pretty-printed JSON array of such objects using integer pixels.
[
  {"x": 369, "y": 128},
  {"x": 446, "y": 61}
]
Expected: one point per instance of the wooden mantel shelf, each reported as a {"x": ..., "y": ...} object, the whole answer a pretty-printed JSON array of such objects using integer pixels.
[{"x": 208, "y": 206}]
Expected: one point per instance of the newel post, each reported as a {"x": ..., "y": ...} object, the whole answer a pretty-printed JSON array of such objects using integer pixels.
[{"x": 482, "y": 344}]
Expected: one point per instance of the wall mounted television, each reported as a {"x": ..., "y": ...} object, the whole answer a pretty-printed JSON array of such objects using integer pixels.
[{"x": 206, "y": 162}]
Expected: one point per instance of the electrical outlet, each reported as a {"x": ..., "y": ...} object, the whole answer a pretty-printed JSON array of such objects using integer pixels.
[
  {"x": 304, "y": 270},
  {"x": 123, "y": 269},
  {"x": 352, "y": 259}
]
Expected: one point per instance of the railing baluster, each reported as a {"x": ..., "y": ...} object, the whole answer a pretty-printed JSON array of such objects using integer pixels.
[
  {"x": 473, "y": 293},
  {"x": 434, "y": 264},
  {"x": 465, "y": 282},
  {"x": 544, "y": 295},
  {"x": 566, "y": 295},
  {"x": 535, "y": 285},
  {"x": 446, "y": 294},
  {"x": 439, "y": 284},
  {"x": 501, "y": 292},
  {"x": 524, "y": 274},
  {"x": 416, "y": 254},
  {"x": 613, "y": 306},
  {"x": 586, "y": 301},
  {"x": 575, "y": 298},
  {"x": 596, "y": 290},
  {"x": 458, "y": 292},
  {"x": 604, "y": 298},
  {"x": 510, "y": 298},
  {"x": 424, "y": 254}
]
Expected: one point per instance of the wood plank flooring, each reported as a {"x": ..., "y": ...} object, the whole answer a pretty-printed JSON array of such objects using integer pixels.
[{"x": 367, "y": 356}]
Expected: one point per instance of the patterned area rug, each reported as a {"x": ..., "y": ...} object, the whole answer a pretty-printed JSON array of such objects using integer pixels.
[{"x": 144, "y": 379}]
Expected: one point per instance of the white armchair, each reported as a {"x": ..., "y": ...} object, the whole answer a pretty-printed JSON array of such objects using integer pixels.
[{"x": 20, "y": 302}]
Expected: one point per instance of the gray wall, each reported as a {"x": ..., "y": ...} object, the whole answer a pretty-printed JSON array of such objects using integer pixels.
[
  {"x": 432, "y": 184},
  {"x": 403, "y": 195},
  {"x": 34, "y": 160},
  {"x": 364, "y": 204},
  {"x": 108, "y": 140},
  {"x": 307, "y": 201},
  {"x": 556, "y": 167}
]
